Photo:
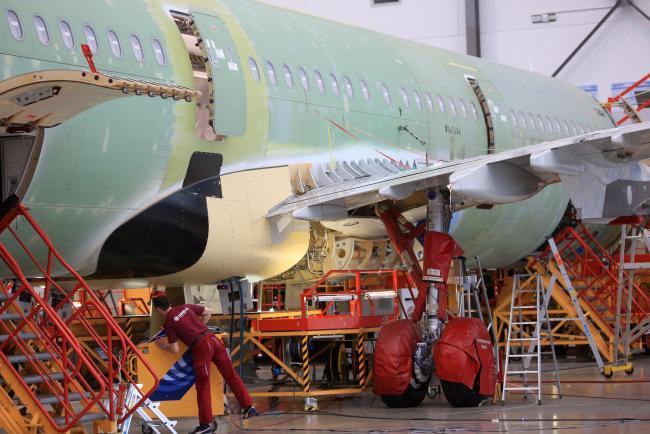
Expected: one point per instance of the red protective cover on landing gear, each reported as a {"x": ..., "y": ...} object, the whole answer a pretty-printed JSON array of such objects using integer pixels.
[
  {"x": 463, "y": 350},
  {"x": 394, "y": 356}
]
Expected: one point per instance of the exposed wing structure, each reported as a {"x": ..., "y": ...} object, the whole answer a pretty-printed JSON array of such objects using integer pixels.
[
  {"x": 49, "y": 98},
  {"x": 602, "y": 172}
]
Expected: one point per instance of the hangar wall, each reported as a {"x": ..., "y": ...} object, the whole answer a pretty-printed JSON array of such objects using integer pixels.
[{"x": 616, "y": 53}]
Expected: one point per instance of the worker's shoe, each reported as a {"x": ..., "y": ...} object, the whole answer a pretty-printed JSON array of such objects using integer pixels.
[
  {"x": 250, "y": 412},
  {"x": 205, "y": 429}
]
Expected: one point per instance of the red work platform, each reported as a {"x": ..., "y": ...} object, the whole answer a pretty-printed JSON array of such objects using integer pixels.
[{"x": 351, "y": 303}]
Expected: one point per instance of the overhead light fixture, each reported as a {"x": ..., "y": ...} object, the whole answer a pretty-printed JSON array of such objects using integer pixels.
[{"x": 550, "y": 17}]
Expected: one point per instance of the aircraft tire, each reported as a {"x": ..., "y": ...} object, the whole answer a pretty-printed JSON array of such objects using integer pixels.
[
  {"x": 411, "y": 397},
  {"x": 459, "y": 395}
]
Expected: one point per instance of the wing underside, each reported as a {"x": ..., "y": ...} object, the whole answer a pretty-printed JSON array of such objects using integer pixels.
[{"x": 603, "y": 173}]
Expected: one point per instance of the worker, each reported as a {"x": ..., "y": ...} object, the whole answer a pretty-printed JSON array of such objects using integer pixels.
[{"x": 187, "y": 323}]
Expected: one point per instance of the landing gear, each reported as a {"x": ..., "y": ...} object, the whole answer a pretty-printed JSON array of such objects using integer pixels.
[
  {"x": 460, "y": 395},
  {"x": 405, "y": 351},
  {"x": 412, "y": 397}
]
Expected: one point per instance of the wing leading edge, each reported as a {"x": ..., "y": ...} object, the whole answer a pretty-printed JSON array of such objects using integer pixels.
[{"x": 602, "y": 172}]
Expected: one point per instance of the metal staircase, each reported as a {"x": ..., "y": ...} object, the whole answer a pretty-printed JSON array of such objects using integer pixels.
[
  {"x": 595, "y": 275},
  {"x": 50, "y": 380}
]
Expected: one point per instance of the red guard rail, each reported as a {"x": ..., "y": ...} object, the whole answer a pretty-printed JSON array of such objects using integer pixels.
[
  {"x": 328, "y": 319},
  {"x": 590, "y": 263},
  {"x": 98, "y": 369},
  {"x": 611, "y": 101}
]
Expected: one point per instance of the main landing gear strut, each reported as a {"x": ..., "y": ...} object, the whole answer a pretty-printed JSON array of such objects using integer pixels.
[{"x": 407, "y": 353}]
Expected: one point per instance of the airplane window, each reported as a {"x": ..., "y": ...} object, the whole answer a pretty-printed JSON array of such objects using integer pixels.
[
  {"x": 14, "y": 25},
  {"x": 540, "y": 123},
  {"x": 441, "y": 104},
  {"x": 41, "y": 30},
  {"x": 522, "y": 120},
  {"x": 429, "y": 102},
  {"x": 303, "y": 79},
  {"x": 463, "y": 107},
  {"x": 348, "y": 87},
  {"x": 136, "y": 46},
  {"x": 158, "y": 52},
  {"x": 513, "y": 118},
  {"x": 335, "y": 84},
  {"x": 549, "y": 125},
  {"x": 319, "y": 82},
  {"x": 452, "y": 106},
  {"x": 405, "y": 97},
  {"x": 255, "y": 71},
  {"x": 474, "y": 110},
  {"x": 531, "y": 121},
  {"x": 287, "y": 76},
  {"x": 418, "y": 101},
  {"x": 91, "y": 38},
  {"x": 558, "y": 128},
  {"x": 66, "y": 34},
  {"x": 114, "y": 43},
  {"x": 270, "y": 71},
  {"x": 364, "y": 90}
]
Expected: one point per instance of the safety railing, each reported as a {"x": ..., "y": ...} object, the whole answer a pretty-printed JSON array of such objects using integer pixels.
[
  {"x": 55, "y": 313},
  {"x": 51, "y": 351},
  {"x": 612, "y": 101},
  {"x": 595, "y": 273},
  {"x": 357, "y": 294}
]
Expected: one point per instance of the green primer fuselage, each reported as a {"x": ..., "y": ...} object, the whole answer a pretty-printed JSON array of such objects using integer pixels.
[{"x": 106, "y": 165}]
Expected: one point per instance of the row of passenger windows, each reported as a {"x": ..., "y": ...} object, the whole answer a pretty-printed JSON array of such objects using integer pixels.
[
  {"x": 43, "y": 34},
  {"x": 526, "y": 122},
  {"x": 409, "y": 99}
]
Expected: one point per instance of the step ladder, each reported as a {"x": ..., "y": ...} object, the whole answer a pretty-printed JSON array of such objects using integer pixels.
[
  {"x": 56, "y": 382},
  {"x": 149, "y": 424},
  {"x": 529, "y": 319},
  {"x": 638, "y": 237}
]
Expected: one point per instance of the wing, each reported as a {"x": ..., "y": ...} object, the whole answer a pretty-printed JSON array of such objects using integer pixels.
[{"x": 602, "y": 172}]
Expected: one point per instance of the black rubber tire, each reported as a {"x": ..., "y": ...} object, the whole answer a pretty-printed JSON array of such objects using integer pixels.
[
  {"x": 146, "y": 429},
  {"x": 459, "y": 395},
  {"x": 410, "y": 398}
]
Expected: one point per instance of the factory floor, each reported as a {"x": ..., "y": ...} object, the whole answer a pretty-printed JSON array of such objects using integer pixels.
[{"x": 590, "y": 404}]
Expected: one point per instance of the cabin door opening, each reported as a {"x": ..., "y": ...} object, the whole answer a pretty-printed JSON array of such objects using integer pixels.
[
  {"x": 218, "y": 74},
  {"x": 487, "y": 115},
  {"x": 14, "y": 156}
]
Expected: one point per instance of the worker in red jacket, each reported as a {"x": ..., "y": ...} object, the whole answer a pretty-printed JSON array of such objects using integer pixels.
[{"x": 187, "y": 324}]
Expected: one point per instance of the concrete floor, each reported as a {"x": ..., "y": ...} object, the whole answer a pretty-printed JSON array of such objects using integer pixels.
[{"x": 590, "y": 404}]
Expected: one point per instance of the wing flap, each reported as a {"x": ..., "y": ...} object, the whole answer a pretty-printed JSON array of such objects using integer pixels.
[{"x": 603, "y": 174}]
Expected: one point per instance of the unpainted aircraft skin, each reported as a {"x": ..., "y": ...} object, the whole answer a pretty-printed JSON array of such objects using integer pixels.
[{"x": 110, "y": 186}]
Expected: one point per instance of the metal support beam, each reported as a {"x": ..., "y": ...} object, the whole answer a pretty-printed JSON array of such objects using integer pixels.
[
  {"x": 631, "y": 3},
  {"x": 584, "y": 41},
  {"x": 472, "y": 28}
]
